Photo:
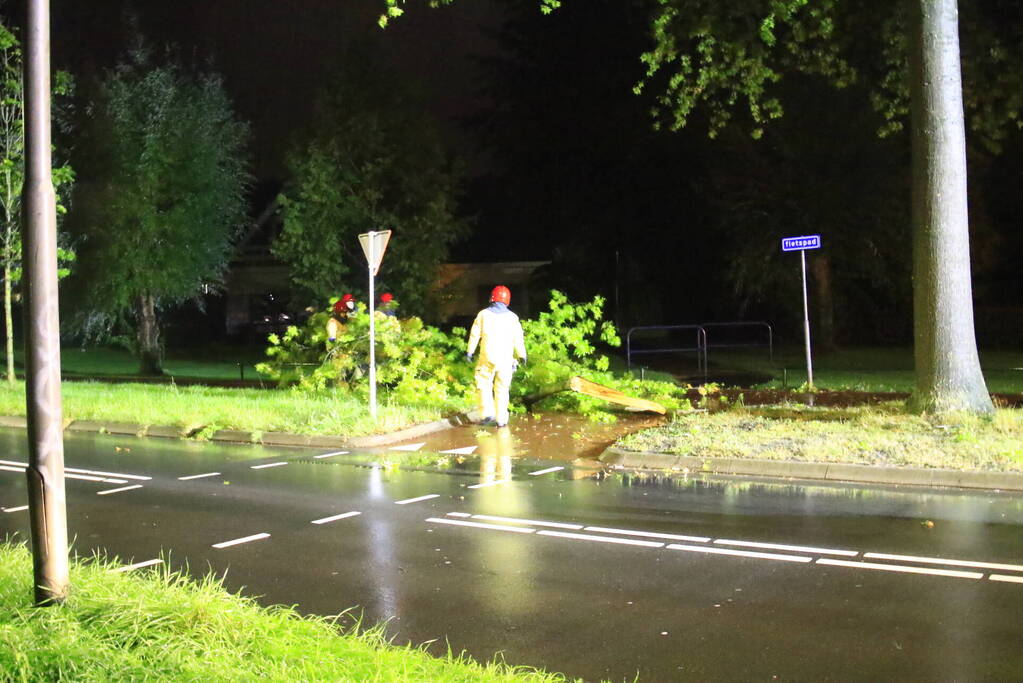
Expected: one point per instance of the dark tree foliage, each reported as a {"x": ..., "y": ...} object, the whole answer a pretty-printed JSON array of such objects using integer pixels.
[
  {"x": 163, "y": 199},
  {"x": 821, "y": 169},
  {"x": 372, "y": 159},
  {"x": 579, "y": 176}
]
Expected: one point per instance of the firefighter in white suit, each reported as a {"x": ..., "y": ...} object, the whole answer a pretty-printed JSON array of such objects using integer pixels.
[{"x": 498, "y": 334}]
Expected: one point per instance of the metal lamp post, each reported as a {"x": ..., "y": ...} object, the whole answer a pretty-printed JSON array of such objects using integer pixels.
[{"x": 45, "y": 472}]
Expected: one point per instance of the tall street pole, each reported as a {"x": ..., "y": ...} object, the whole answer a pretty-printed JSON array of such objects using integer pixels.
[{"x": 45, "y": 472}]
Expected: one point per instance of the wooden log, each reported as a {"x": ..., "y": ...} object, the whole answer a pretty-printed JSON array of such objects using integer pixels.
[{"x": 588, "y": 388}]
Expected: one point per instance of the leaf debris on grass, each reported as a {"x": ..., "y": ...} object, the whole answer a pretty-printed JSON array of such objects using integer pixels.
[{"x": 884, "y": 435}]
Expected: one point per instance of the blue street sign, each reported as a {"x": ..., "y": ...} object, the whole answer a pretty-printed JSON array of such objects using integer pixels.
[{"x": 801, "y": 243}]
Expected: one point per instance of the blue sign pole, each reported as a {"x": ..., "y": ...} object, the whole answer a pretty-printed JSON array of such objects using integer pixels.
[{"x": 801, "y": 244}]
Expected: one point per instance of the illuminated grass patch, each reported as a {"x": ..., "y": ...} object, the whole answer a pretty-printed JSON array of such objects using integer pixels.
[
  {"x": 881, "y": 435},
  {"x": 269, "y": 410},
  {"x": 162, "y": 626}
]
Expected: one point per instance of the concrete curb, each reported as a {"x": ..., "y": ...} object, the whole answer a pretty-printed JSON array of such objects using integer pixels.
[
  {"x": 13, "y": 421},
  {"x": 413, "y": 432},
  {"x": 904, "y": 476},
  {"x": 264, "y": 438}
]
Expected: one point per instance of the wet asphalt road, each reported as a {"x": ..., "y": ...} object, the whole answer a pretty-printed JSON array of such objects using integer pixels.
[{"x": 595, "y": 577}]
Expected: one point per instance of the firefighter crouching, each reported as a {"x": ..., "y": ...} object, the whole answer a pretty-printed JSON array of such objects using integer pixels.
[
  {"x": 343, "y": 309},
  {"x": 498, "y": 334}
]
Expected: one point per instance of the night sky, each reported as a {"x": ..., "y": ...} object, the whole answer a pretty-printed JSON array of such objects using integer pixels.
[{"x": 273, "y": 54}]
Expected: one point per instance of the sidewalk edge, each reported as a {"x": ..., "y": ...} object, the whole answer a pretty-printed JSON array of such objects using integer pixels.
[
  {"x": 904, "y": 476},
  {"x": 247, "y": 437}
]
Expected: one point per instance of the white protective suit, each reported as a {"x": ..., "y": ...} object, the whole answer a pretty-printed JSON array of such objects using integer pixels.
[{"x": 498, "y": 334}]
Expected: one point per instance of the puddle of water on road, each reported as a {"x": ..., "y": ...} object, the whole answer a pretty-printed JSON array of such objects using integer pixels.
[
  {"x": 526, "y": 446},
  {"x": 548, "y": 436}
]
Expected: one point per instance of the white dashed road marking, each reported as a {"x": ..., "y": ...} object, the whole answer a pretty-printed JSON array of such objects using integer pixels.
[
  {"x": 330, "y": 455},
  {"x": 334, "y": 518},
  {"x": 199, "y": 476},
  {"x": 68, "y": 475},
  {"x": 938, "y": 560},
  {"x": 514, "y": 520},
  {"x": 492, "y": 527},
  {"x": 137, "y": 565},
  {"x": 244, "y": 539},
  {"x": 409, "y": 447},
  {"x": 714, "y": 548},
  {"x": 136, "y": 477},
  {"x": 17, "y": 509},
  {"x": 418, "y": 499},
  {"x": 1008, "y": 579},
  {"x": 489, "y": 483},
  {"x": 601, "y": 539},
  {"x": 78, "y": 473},
  {"x": 546, "y": 471},
  {"x": 900, "y": 568},
  {"x": 468, "y": 450},
  {"x": 648, "y": 534},
  {"x": 269, "y": 464},
  {"x": 86, "y": 477},
  {"x": 794, "y": 548},
  {"x": 740, "y": 553},
  {"x": 123, "y": 488}
]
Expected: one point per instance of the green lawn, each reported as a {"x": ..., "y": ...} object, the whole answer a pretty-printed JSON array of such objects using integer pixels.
[
  {"x": 161, "y": 626},
  {"x": 216, "y": 362},
  {"x": 883, "y": 435},
  {"x": 261, "y": 410},
  {"x": 861, "y": 369}
]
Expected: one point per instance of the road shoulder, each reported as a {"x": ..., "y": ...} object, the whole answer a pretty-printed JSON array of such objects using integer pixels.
[
  {"x": 248, "y": 437},
  {"x": 908, "y": 476}
]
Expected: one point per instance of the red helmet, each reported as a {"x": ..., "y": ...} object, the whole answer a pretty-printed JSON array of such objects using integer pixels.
[
  {"x": 344, "y": 304},
  {"x": 386, "y": 298},
  {"x": 501, "y": 294}
]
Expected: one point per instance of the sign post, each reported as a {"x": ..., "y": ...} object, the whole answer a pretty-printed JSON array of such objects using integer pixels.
[
  {"x": 801, "y": 244},
  {"x": 374, "y": 244}
]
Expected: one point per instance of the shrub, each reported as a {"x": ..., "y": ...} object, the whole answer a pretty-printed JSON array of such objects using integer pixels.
[{"x": 418, "y": 363}]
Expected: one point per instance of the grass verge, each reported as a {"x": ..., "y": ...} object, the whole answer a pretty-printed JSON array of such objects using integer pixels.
[
  {"x": 884, "y": 435},
  {"x": 214, "y": 362},
  {"x": 263, "y": 410},
  {"x": 860, "y": 369},
  {"x": 162, "y": 626}
]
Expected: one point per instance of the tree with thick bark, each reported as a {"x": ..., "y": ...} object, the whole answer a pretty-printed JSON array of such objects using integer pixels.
[{"x": 164, "y": 199}]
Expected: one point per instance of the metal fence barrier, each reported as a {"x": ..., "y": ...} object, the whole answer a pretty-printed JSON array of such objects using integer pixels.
[
  {"x": 770, "y": 336},
  {"x": 700, "y": 348},
  {"x": 702, "y": 345}
]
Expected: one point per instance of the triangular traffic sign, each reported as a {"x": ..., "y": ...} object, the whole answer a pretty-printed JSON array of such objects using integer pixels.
[{"x": 374, "y": 244}]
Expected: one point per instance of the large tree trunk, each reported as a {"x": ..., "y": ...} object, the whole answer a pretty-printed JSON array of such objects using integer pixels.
[
  {"x": 820, "y": 266},
  {"x": 8, "y": 321},
  {"x": 947, "y": 366},
  {"x": 147, "y": 333}
]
